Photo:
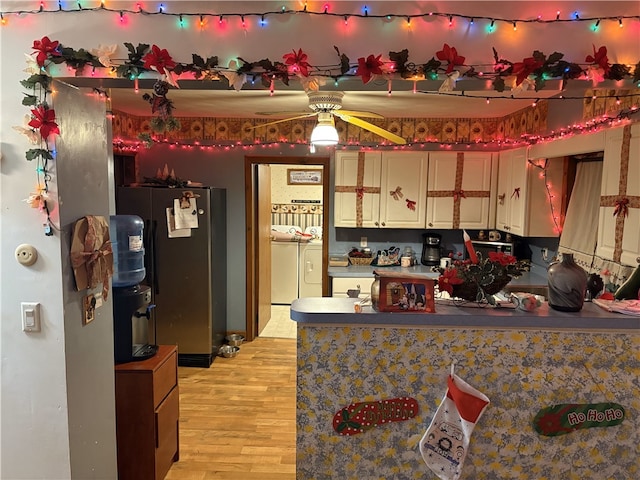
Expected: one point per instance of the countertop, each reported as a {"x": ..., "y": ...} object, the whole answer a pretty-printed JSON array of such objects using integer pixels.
[{"x": 334, "y": 310}]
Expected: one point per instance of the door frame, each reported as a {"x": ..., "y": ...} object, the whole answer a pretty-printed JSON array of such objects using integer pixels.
[{"x": 251, "y": 250}]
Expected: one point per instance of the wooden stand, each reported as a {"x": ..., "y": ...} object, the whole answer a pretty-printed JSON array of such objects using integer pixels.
[{"x": 147, "y": 413}]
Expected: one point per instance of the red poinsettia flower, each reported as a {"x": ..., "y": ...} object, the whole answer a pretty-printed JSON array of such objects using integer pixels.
[
  {"x": 45, "y": 47},
  {"x": 600, "y": 58},
  {"x": 298, "y": 62},
  {"x": 450, "y": 54},
  {"x": 158, "y": 59},
  {"x": 43, "y": 120},
  {"x": 502, "y": 258},
  {"x": 448, "y": 279},
  {"x": 369, "y": 67},
  {"x": 525, "y": 68}
]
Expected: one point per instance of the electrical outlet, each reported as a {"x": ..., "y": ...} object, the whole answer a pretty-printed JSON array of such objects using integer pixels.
[
  {"x": 545, "y": 254},
  {"x": 363, "y": 241}
]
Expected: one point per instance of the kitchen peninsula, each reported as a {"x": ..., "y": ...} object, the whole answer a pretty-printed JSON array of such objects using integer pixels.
[{"x": 522, "y": 361}]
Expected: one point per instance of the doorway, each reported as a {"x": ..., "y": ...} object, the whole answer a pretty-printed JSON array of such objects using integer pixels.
[{"x": 258, "y": 244}]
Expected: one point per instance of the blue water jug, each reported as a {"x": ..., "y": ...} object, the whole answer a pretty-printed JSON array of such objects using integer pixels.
[{"x": 126, "y": 232}]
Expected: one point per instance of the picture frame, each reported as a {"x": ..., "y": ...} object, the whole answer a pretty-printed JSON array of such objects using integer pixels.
[{"x": 299, "y": 176}]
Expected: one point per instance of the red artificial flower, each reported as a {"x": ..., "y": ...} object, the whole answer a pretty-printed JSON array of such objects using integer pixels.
[
  {"x": 45, "y": 47},
  {"x": 448, "y": 279},
  {"x": 600, "y": 58},
  {"x": 368, "y": 67},
  {"x": 502, "y": 258},
  {"x": 43, "y": 119},
  {"x": 158, "y": 59},
  {"x": 450, "y": 54},
  {"x": 525, "y": 68},
  {"x": 411, "y": 204},
  {"x": 298, "y": 62}
]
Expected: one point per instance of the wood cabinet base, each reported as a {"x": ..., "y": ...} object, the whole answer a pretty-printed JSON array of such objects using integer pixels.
[{"x": 147, "y": 415}]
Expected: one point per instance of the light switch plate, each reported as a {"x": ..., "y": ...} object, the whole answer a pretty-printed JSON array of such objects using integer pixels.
[{"x": 30, "y": 316}]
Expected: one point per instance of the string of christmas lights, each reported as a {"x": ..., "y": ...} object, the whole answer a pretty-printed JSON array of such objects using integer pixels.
[
  {"x": 365, "y": 12},
  {"x": 548, "y": 187}
]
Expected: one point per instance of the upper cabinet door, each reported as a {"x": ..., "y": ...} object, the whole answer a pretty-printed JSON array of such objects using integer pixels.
[
  {"x": 459, "y": 190},
  {"x": 512, "y": 191},
  {"x": 357, "y": 189},
  {"x": 403, "y": 196},
  {"x": 517, "y": 192},
  {"x": 619, "y": 235}
]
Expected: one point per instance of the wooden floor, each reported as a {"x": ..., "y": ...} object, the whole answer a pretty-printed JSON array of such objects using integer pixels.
[{"x": 237, "y": 418}]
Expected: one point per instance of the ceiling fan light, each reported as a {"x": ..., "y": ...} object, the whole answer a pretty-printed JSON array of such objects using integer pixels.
[{"x": 324, "y": 133}]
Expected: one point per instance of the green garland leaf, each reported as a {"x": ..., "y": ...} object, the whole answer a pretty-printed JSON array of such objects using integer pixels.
[
  {"x": 29, "y": 100},
  {"x": 38, "y": 152}
]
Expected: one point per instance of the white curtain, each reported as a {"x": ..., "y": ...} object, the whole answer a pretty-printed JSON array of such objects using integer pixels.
[{"x": 580, "y": 232}]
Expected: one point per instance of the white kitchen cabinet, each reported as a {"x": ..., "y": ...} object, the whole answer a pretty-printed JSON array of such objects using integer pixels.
[
  {"x": 622, "y": 247},
  {"x": 525, "y": 195},
  {"x": 340, "y": 285},
  {"x": 459, "y": 190},
  {"x": 380, "y": 189}
]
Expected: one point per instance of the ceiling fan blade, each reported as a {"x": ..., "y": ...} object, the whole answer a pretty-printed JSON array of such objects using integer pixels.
[
  {"x": 285, "y": 112},
  {"x": 306, "y": 115},
  {"x": 372, "y": 128},
  {"x": 355, "y": 113}
]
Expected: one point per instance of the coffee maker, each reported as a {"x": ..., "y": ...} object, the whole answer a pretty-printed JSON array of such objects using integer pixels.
[{"x": 431, "y": 252}]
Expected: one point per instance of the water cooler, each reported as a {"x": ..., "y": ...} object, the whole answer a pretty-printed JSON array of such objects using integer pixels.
[{"x": 131, "y": 301}]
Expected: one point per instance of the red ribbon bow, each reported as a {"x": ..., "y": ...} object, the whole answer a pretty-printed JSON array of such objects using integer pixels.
[
  {"x": 411, "y": 205},
  {"x": 622, "y": 207},
  {"x": 516, "y": 192},
  {"x": 360, "y": 192},
  {"x": 458, "y": 194}
]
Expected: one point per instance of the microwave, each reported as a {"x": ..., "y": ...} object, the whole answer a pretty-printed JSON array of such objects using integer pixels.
[{"x": 486, "y": 246}]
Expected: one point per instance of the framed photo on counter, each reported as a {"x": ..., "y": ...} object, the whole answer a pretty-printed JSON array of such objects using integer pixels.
[{"x": 297, "y": 176}]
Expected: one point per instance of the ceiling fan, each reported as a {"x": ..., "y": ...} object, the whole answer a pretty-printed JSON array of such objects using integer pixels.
[{"x": 326, "y": 106}]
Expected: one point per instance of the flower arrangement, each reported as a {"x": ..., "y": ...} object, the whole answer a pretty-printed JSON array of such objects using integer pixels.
[{"x": 479, "y": 281}]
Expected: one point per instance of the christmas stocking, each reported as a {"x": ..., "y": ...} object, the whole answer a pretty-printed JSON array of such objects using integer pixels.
[{"x": 445, "y": 443}]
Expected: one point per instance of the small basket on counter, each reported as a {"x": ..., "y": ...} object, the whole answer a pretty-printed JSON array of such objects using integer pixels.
[
  {"x": 360, "y": 257},
  {"x": 360, "y": 260}
]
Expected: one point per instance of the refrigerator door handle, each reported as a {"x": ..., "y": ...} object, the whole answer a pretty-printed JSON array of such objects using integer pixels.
[{"x": 154, "y": 256}]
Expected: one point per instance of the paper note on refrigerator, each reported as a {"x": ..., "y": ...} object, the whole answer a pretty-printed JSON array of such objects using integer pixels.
[
  {"x": 186, "y": 217},
  {"x": 171, "y": 226}
]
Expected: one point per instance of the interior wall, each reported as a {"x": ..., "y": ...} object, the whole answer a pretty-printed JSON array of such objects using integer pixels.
[{"x": 84, "y": 189}]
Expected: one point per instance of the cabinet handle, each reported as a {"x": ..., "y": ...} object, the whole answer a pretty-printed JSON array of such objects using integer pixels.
[
  {"x": 430, "y": 224},
  {"x": 384, "y": 224},
  {"x": 377, "y": 224}
]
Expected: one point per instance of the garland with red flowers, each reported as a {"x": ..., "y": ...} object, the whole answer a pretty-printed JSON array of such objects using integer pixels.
[{"x": 538, "y": 67}]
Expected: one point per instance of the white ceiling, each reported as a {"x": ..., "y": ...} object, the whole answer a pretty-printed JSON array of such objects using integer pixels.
[{"x": 190, "y": 102}]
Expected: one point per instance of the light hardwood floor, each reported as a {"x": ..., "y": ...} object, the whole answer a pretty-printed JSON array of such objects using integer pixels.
[{"x": 237, "y": 418}]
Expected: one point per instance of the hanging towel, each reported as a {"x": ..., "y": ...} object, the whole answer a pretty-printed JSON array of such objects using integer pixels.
[{"x": 185, "y": 217}]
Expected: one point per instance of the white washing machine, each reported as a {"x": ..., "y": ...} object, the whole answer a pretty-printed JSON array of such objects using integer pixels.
[
  {"x": 284, "y": 267},
  {"x": 310, "y": 271}
]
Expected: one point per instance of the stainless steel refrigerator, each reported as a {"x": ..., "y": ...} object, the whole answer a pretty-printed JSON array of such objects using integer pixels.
[{"x": 185, "y": 268}]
